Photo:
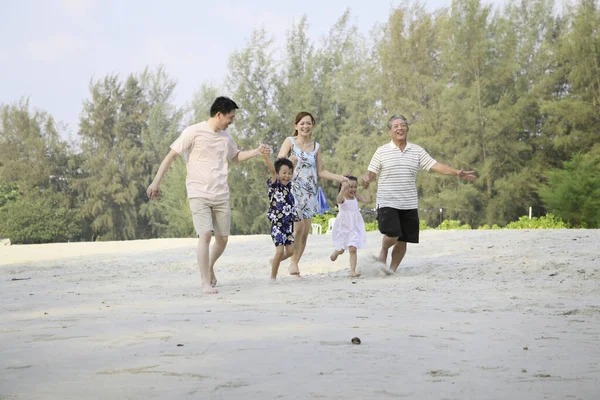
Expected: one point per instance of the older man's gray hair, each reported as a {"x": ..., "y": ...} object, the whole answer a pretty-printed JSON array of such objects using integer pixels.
[{"x": 395, "y": 117}]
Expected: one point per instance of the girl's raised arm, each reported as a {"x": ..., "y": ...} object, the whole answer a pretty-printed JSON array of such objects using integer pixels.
[{"x": 365, "y": 197}]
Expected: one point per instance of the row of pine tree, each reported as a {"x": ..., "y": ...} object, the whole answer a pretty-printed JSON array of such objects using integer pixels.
[{"x": 513, "y": 94}]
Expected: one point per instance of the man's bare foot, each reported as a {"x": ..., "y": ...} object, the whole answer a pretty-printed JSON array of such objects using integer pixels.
[
  {"x": 208, "y": 289},
  {"x": 384, "y": 268},
  {"x": 335, "y": 254},
  {"x": 354, "y": 274}
]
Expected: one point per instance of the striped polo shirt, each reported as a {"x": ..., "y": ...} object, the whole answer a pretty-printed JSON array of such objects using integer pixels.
[{"x": 397, "y": 174}]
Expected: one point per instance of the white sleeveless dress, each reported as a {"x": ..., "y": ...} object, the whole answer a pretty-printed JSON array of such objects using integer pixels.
[{"x": 349, "y": 226}]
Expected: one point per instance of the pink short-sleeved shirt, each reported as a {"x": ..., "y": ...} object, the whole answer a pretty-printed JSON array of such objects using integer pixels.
[{"x": 206, "y": 155}]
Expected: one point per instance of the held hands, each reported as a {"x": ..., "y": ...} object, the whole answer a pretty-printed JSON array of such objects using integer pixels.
[
  {"x": 264, "y": 149},
  {"x": 293, "y": 159},
  {"x": 467, "y": 175},
  {"x": 366, "y": 181}
]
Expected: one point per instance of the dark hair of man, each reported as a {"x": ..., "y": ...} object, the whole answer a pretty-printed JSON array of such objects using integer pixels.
[
  {"x": 351, "y": 178},
  {"x": 224, "y": 105},
  {"x": 283, "y": 161}
]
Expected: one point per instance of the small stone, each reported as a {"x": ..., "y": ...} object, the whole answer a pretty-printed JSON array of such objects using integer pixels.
[
  {"x": 179, "y": 345},
  {"x": 355, "y": 340}
]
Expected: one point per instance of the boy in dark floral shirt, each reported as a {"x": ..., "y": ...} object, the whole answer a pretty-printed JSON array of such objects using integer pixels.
[{"x": 282, "y": 210}]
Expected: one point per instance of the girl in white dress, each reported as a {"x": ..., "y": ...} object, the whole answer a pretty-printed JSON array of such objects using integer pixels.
[{"x": 349, "y": 231}]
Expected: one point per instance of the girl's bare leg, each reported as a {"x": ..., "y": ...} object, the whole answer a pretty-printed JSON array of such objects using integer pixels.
[
  {"x": 335, "y": 254},
  {"x": 353, "y": 258},
  {"x": 301, "y": 229}
]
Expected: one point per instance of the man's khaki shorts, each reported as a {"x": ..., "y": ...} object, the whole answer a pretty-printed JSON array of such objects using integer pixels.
[{"x": 211, "y": 216}]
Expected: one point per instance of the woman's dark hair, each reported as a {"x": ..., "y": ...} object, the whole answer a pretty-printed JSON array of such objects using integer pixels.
[
  {"x": 351, "y": 178},
  {"x": 224, "y": 105},
  {"x": 283, "y": 161},
  {"x": 301, "y": 115}
]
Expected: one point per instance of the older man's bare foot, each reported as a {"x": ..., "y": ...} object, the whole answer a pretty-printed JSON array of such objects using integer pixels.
[
  {"x": 208, "y": 289},
  {"x": 382, "y": 257},
  {"x": 354, "y": 274},
  {"x": 335, "y": 254}
]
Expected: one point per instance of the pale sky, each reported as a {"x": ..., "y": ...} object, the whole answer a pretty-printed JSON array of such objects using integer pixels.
[{"x": 49, "y": 50}]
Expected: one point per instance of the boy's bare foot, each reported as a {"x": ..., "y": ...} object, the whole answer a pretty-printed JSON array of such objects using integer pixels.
[
  {"x": 335, "y": 254},
  {"x": 208, "y": 289},
  {"x": 354, "y": 274}
]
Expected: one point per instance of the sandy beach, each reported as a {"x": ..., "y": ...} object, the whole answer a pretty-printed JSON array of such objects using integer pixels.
[{"x": 470, "y": 315}]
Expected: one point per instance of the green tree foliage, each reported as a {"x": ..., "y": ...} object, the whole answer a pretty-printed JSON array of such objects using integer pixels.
[
  {"x": 513, "y": 94},
  {"x": 251, "y": 80},
  {"x": 36, "y": 203},
  {"x": 573, "y": 192},
  {"x": 115, "y": 169},
  {"x": 162, "y": 218}
]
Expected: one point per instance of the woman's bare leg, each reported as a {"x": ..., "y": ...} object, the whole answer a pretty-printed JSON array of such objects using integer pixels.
[{"x": 301, "y": 229}]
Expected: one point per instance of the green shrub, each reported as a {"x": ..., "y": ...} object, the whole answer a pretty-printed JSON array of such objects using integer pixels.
[
  {"x": 423, "y": 225},
  {"x": 546, "y": 222},
  {"x": 371, "y": 226},
  {"x": 38, "y": 219},
  {"x": 452, "y": 224}
]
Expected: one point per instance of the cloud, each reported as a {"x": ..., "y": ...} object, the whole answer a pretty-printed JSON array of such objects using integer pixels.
[
  {"x": 77, "y": 9},
  {"x": 54, "y": 48}
]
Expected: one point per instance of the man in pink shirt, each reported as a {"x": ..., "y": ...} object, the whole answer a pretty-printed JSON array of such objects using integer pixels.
[{"x": 207, "y": 147}]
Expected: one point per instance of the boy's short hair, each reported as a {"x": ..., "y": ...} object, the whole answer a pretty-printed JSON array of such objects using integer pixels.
[
  {"x": 283, "y": 161},
  {"x": 224, "y": 105}
]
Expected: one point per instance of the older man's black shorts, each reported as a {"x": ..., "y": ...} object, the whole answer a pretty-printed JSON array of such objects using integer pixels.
[{"x": 403, "y": 224}]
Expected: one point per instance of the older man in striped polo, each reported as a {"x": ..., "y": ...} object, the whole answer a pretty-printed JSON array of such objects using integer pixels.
[{"x": 395, "y": 167}]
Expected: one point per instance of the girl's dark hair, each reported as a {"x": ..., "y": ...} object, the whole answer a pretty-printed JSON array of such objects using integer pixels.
[
  {"x": 301, "y": 115},
  {"x": 351, "y": 178},
  {"x": 283, "y": 161}
]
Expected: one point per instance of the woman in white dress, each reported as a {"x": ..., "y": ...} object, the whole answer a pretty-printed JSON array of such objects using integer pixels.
[{"x": 349, "y": 231}]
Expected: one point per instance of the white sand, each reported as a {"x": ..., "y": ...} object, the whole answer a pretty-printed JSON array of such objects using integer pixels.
[{"x": 472, "y": 315}]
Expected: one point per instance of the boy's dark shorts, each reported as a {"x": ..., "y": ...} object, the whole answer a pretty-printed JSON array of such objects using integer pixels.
[{"x": 403, "y": 224}]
